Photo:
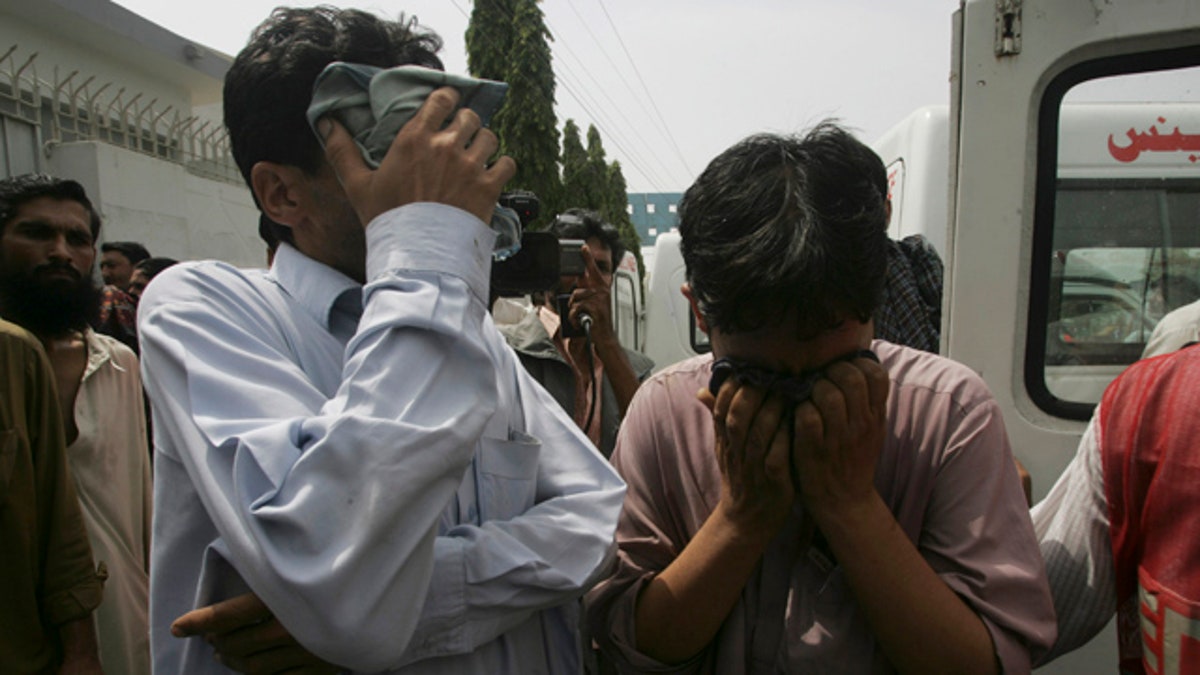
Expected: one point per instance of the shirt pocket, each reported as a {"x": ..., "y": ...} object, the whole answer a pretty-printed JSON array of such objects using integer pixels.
[{"x": 506, "y": 476}]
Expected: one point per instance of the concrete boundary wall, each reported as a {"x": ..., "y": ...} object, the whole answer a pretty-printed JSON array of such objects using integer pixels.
[{"x": 172, "y": 211}]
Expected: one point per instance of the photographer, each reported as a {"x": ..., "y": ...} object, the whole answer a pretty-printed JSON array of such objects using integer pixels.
[{"x": 586, "y": 370}]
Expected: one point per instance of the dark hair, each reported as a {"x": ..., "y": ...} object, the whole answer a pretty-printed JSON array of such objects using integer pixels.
[
  {"x": 782, "y": 224},
  {"x": 132, "y": 250},
  {"x": 17, "y": 191},
  {"x": 585, "y": 224},
  {"x": 269, "y": 85},
  {"x": 152, "y": 266}
]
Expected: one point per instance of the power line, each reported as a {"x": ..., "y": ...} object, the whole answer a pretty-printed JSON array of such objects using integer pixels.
[
  {"x": 570, "y": 86},
  {"x": 617, "y": 140},
  {"x": 619, "y": 109},
  {"x": 604, "y": 123},
  {"x": 649, "y": 97},
  {"x": 616, "y": 69},
  {"x": 461, "y": 10},
  {"x": 634, "y": 157}
]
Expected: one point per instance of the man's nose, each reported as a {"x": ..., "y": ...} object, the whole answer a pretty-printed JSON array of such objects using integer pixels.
[{"x": 59, "y": 250}]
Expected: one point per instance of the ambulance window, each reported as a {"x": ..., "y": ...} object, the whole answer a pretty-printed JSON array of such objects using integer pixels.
[{"x": 1117, "y": 221}]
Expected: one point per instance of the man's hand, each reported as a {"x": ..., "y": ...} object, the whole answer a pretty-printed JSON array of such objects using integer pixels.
[
  {"x": 593, "y": 296},
  {"x": 753, "y": 442},
  {"x": 839, "y": 434},
  {"x": 425, "y": 163},
  {"x": 249, "y": 639}
]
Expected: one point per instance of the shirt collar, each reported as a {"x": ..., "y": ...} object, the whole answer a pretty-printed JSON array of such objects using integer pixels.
[
  {"x": 99, "y": 353},
  {"x": 314, "y": 286}
]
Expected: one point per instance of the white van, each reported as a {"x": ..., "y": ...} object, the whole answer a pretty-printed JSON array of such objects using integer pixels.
[{"x": 1116, "y": 267}]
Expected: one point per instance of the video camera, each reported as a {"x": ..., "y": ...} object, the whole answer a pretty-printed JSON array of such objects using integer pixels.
[{"x": 541, "y": 260}]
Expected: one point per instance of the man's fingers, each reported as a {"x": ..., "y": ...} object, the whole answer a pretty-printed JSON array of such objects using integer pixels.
[
  {"x": 831, "y": 403},
  {"x": 591, "y": 272},
  {"x": 763, "y": 430},
  {"x": 851, "y": 381},
  {"x": 466, "y": 126},
  {"x": 778, "y": 461},
  {"x": 739, "y": 420},
  {"x": 252, "y": 639},
  {"x": 342, "y": 153},
  {"x": 438, "y": 106},
  {"x": 500, "y": 172},
  {"x": 810, "y": 428},
  {"x": 877, "y": 384},
  {"x": 271, "y": 661},
  {"x": 222, "y": 617}
]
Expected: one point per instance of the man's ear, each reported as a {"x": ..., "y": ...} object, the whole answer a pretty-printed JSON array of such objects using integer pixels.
[
  {"x": 686, "y": 289},
  {"x": 275, "y": 186}
]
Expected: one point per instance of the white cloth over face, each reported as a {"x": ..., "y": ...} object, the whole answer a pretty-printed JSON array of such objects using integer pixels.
[
  {"x": 394, "y": 486},
  {"x": 111, "y": 467}
]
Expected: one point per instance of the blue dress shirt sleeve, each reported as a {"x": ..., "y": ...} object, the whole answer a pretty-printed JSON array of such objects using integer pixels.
[
  {"x": 538, "y": 523},
  {"x": 327, "y": 506}
]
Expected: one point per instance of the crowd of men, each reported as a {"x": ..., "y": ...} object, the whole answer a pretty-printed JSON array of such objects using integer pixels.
[{"x": 357, "y": 468}]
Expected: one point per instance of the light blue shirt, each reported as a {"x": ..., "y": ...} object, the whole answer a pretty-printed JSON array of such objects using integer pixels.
[{"x": 396, "y": 489}]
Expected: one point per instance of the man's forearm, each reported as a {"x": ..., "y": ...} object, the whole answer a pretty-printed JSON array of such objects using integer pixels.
[
  {"x": 921, "y": 624},
  {"x": 620, "y": 374},
  {"x": 81, "y": 654},
  {"x": 680, "y": 610}
]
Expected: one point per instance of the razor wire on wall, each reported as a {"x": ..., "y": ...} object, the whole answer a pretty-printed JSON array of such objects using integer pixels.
[{"x": 75, "y": 106}]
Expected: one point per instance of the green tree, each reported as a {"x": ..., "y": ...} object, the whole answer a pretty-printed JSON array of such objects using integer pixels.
[
  {"x": 590, "y": 182},
  {"x": 508, "y": 40},
  {"x": 529, "y": 131},
  {"x": 489, "y": 41},
  {"x": 584, "y": 178},
  {"x": 616, "y": 212},
  {"x": 489, "y": 38},
  {"x": 574, "y": 165}
]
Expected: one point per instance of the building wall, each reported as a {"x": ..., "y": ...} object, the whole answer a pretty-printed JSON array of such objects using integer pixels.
[
  {"x": 653, "y": 213},
  {"x": 164, "y": 206},
  {"x": 58, "y": 55}
]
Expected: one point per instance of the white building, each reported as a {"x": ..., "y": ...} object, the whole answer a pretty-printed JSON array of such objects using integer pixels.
[{"x": 94, "y": 92}]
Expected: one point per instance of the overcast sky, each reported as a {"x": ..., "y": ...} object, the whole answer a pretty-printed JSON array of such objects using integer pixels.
[{"x": 671, "y": 83}]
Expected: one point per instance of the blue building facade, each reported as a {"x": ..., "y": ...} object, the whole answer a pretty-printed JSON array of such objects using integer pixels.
[{"x": 653, "y": 213}]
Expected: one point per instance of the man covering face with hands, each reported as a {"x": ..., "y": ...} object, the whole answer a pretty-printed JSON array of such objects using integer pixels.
[{"x": 827, "y": 502}]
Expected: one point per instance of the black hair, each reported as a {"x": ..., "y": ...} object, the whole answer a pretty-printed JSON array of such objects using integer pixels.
[
  {"x": 152, "y": 266},
  {"x": 778, "y": 225},
  {"x": 269, "y": 85},
  {"x": 585, "y": 224},
  {"x": 17, "y": 191},
  {"x": 133, "y": 251}
]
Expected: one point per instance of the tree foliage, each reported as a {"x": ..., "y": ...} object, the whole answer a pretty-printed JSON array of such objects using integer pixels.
[
  {"x": 489, "y": 38},
  {"x": 616, "y": 211},
  {"x": 590, "y": 182},
  {"x": 508, "y": 40},
  {"x": 529, "y": 130}
]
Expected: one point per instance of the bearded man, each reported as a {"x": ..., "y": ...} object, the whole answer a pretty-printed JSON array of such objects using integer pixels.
[{"x": 48, "y": 230}]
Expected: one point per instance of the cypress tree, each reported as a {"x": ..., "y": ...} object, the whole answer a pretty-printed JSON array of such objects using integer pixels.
[
  {"x": 616, "y": 212},
  {"x": 489, "y": 38}
]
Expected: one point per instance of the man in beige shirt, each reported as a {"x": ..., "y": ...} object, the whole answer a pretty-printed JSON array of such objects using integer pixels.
[{"x": 48, "y": 230}]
